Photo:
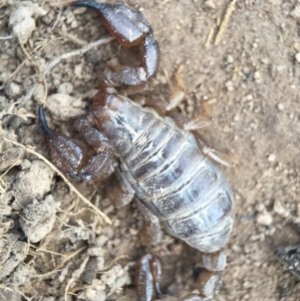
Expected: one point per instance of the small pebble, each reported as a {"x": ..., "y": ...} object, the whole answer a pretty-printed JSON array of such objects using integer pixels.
[
  {"x": 39, "y": 93},
  {"x": 210, "y": 4},
  {"x": 257, "y": 76},
  {"x": 4, "y": 103},
  {"x": 70, "y": 17},
  {"x": 260, "y": 207},
  {"x": 94, "y": 57},
  {"x": 296, "y": 46},
  {"x": 295, "y": 13},
  {"x": 249, "y": 97},
  {"x": 278, "y": 208},
  {"x": 297, "y": 57},
  {"x": 13, "y": 90},
  {"x": 280, "y": 107},
  {"x": 271, "y": 157},
  {"x": 264, "y": 219},
  {"x": 65, "y": 88},
  {"x": 237, "y": 117},
  {"x": 79, "y": 11},
  {"x": 22, "y": 20},
  {"x": 48, "y": 18},
  {"x": 230, "y": 59},
  {"x": 74, "y": 24},
  {"x": 229, "y": 85},
  {"x": 265, "y": 61}
]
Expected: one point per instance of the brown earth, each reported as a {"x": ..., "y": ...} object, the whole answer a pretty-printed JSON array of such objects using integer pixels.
[{"x": 54, "y": 247}]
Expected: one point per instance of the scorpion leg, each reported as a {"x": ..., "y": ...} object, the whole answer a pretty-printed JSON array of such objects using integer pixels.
[
  {"x": 155, "y": 229},
  {"x": 148, "y": 278},
  {"x": 214, "y": 154},
  {"x": 209, "y": 280},
  {"x": 130, "y": 29},
  {"x": 195, "y": 124},
  {"x": 88, "y": 161},
  {"x": 121, "y": 193},
  {"x": 177, "y": 96}
]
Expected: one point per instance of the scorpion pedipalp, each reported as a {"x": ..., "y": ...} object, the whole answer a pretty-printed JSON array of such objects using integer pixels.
[
  {"x": 75, "y": 158},
  {"x": 130, "y": 29}
]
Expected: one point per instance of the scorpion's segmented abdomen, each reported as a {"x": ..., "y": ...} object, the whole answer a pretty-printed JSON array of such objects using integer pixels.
[{"x": 173, "y": 178}]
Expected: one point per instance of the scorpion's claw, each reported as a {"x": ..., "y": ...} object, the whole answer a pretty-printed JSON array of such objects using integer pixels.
[
  {"x": 127, "y": 26},
  {"x": 73, "y": 157},
  {"x": 130, "y": 29}
]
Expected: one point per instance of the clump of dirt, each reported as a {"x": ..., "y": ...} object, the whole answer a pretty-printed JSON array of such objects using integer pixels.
[{"x": 242, "y": 68}]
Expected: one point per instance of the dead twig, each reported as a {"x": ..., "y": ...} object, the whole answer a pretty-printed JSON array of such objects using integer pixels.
[
  {"x": 72, "y": 38},
  {"x": 113, "y": 262},
  {"x": 163, "y": 2},
  {"x": 57, "y": 18},
  {"x": 61, "y": 265},
  {"x": 14, "y": 73},
  {"x": 209, "y": 37},
  {"x": 3, "y": 183},
  {"x": 225, "y": 22},
  {"x": 67, "y": 288},
  {"x": 52, "y": 64},
  {"x": 62, "y": 57},
  {"x": 6, "y": 37},
  {"x": 26, "y": 63}
]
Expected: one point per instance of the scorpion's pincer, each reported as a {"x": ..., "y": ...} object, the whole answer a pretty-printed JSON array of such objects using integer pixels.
[
  {"x": 130, "y": 29},
  {"x": 73, "y": 157}
]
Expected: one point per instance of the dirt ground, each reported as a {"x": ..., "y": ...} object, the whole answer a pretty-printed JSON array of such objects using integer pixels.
[{"x": 53, "y": 245}]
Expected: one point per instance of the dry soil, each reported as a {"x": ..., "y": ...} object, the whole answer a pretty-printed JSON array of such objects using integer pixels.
[{"x": 53, "y": 246}]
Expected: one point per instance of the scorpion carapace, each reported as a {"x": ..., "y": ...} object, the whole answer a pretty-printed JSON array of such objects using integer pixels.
[{"x": 162, "y": 165}]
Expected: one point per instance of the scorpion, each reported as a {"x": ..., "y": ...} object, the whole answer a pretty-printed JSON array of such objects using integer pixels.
[{"x": 162, "y": 166}]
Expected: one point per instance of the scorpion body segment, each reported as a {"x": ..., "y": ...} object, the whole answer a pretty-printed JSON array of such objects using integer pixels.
[
  {"x": 174, "y": 182},
  {"x": 168, "y": 173}
]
